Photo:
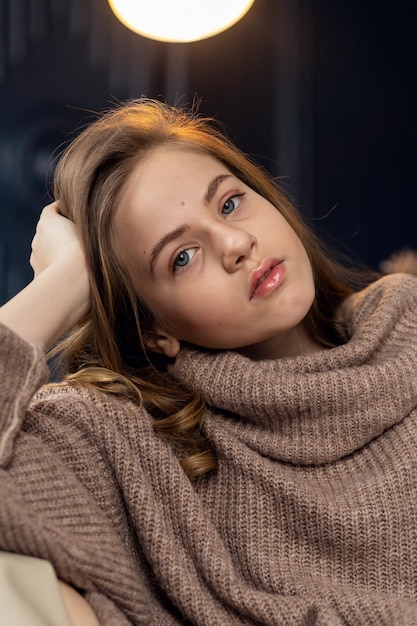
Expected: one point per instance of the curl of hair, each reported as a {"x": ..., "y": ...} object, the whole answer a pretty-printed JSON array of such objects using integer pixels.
[{"x": 107, "y": 350}]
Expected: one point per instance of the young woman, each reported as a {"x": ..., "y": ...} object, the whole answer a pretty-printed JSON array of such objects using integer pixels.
[{"x": 235, "y": 439}]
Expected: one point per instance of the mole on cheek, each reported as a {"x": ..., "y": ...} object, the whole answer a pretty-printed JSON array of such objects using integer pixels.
[{"x": 182, "y": 203}]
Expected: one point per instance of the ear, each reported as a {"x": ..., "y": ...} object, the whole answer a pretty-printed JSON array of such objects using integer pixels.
[{"x": 163, "y": 343}]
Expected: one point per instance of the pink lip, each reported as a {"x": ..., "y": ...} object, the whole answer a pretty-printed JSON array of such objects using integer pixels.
[{"x": 260, "y": 285}]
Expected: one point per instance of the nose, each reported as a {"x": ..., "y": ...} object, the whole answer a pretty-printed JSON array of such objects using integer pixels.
[{"x": 234, "y": 245}]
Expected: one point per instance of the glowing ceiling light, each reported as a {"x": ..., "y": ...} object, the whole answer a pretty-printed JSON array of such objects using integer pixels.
[{"x": 179, "y": 20}]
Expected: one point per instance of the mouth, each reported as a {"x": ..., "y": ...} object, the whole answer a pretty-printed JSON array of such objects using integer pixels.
[{"x": 269, "y": 269}]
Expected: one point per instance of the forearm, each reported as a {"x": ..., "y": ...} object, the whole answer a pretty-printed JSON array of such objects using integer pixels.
[{"x": 50, "y": 305}]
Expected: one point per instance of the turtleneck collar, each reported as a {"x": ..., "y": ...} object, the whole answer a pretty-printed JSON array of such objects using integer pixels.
[{"x": 318, "y": 408}]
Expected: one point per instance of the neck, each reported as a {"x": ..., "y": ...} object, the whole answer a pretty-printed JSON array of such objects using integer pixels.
[{"x": 295, "y": 343}]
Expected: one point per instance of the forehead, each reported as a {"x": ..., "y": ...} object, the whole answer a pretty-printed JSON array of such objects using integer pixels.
[
  {"x": 165, "y": 180},
  {"x": 170, "y": 169}
]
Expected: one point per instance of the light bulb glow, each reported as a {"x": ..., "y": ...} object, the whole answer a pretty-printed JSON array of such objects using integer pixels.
[{"x": 179, "y": 20}]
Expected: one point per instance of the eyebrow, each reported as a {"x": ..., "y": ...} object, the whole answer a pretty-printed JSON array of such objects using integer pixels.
[
  {"x": 165, "y": 240},
  {"x": 213, "y": 186},
  {"x": 180, "y": 230}
]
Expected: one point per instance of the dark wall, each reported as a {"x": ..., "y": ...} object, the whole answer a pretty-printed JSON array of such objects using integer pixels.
[
  {"x": 365, "y": 125},
  {"x": 322, "y": 93},
  {"x": 326, "y": 92}
]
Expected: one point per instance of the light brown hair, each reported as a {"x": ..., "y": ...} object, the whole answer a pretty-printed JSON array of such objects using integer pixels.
[{"x": 107, "y": 348}]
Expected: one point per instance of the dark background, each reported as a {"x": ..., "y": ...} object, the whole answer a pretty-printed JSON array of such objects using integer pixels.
[{"x": 321, "y": 92}]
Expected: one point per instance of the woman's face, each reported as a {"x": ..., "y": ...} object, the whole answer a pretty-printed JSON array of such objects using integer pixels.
[{"x": 215, "y": 260}]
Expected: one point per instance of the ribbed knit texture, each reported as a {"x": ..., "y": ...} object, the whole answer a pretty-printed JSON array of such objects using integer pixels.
[{"x": 311, "y": 517}]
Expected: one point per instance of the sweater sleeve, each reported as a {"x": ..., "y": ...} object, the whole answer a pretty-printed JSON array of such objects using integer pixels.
[
  {"x": 23, "y": 370},
  {"x": 49, "y": 508}
]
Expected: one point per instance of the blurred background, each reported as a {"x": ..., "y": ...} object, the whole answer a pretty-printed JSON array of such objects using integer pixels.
[{"x": 322, "y": 93}]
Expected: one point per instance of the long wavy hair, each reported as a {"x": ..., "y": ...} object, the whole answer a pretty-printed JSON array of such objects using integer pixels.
[{"x": 107, "y": 349}]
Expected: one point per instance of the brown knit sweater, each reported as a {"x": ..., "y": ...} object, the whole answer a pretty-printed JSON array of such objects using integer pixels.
[{"x": 311, "y": 517}]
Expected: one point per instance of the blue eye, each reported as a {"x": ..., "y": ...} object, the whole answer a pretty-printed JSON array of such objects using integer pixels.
[
  {"x": 231, "y": 204},
  {"x": 183, "y": 258}
]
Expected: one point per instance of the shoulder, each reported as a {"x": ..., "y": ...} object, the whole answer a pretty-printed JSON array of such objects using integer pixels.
[
  {"x": 57, "y": 396},
  {"x": 86, "y": 409},
  {"x": 398, "y": 287},
  {"x": 83, "y": 444},
  {"x": 389, "y": 301}
]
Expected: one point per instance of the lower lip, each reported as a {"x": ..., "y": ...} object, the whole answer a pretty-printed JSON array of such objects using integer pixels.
[{"x": 271, "y": 283}]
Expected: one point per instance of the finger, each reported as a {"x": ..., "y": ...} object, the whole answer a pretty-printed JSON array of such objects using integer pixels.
[{"x": 32, "y": 262}]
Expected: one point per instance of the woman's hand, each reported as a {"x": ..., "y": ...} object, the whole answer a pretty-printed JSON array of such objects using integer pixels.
[
  {"x": 79, "y": 611},
  {"x": 59, "y": 295},
  {"x": 55, "y": 240}
]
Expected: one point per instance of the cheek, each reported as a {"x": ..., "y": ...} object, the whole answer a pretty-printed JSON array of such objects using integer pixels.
[
  {"x": 195, "y": 312},
  {"x": 195, "y": 317},
  {"x": 203, "y": 294}
]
